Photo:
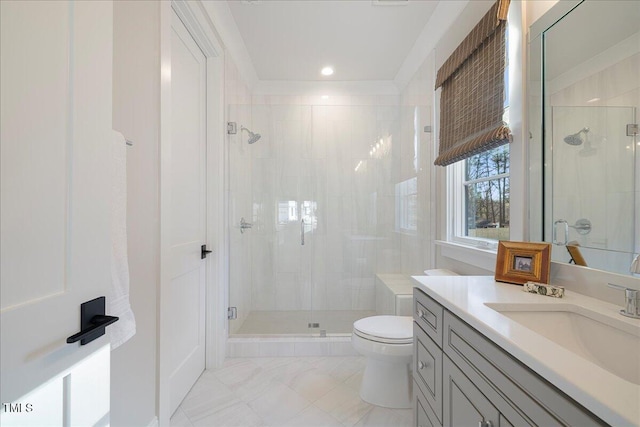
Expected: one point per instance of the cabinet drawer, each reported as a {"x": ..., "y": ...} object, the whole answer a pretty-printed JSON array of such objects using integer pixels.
[
  {"x": 428, "y": 314},
  {"x": 423, "y": 416},
  {"x": 427, "y": 369}
]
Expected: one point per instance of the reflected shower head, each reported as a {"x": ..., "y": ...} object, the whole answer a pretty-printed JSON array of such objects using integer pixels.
[
  {"x": 576, "y": 139},
  {"x": 253, "y": 137}
]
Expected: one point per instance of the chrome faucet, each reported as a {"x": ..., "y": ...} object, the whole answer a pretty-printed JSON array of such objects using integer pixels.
[{"x": 631, "y": 309}]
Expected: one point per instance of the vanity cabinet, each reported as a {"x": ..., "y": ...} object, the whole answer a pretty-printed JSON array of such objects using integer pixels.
[{"x": 461, "y": 379}]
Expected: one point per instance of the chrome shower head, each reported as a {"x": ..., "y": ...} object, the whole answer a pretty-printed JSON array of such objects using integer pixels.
[
  {"x": 253, "y": 137},
  {"x": 576, "y": 139}
]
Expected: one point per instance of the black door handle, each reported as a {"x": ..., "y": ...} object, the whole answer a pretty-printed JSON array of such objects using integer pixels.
[
  {"x": 204, "y": 251},
  {"x": 92, "y": 321}
]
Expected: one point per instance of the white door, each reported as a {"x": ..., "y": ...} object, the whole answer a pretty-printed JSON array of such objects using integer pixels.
[
  {"x": 55, "y": 121},
  {"x": 188, "y": 213}
]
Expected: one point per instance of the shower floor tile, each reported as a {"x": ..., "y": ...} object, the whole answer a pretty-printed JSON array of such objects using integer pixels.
[
  {"x": 296, "y": 322},
  {"x": 286, "y": 391}
]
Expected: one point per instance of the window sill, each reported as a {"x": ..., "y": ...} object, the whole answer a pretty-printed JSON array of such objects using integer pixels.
[{"x": 481, "y": 258}]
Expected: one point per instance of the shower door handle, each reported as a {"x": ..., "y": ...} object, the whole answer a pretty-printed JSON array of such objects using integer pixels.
[
  {"x": 302, "y": 232},
  {"x": 555, "y": 232}
]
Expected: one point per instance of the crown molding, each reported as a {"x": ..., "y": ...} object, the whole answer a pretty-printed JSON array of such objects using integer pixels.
[
  {"x": 224, "y": 23},
  {"x": 197, "y": 21},
  {"x": 315, "y": 88},
  {"x": 443, "y": 17}
]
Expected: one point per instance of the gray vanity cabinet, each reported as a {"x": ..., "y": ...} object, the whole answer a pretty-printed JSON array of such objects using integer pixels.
[
  {"x": 461, "y": 379},
  {"x": 465, "y": 405}
]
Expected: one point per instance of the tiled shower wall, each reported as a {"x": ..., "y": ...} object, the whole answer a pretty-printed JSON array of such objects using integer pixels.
[{"x": 366, "y": 211}]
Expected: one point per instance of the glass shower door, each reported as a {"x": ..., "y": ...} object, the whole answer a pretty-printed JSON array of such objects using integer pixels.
[{"x": 270, "y": 276}]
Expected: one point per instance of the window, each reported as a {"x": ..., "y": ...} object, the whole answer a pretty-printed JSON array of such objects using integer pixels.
[
  {"x": 287, "y": 211},
  {"x": 407, "y": 206},
  {"x": 486, "y": 195},
  {"x": 476, "y": 142},
  {"x": 479, "y": 199}
]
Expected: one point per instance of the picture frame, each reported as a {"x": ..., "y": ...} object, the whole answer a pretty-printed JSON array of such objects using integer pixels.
[
  {"x": 521, "y": 262},
  {"x": 576, "y": 255}
]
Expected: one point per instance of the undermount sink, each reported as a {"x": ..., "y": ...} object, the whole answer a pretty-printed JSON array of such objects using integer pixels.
[{"x": 611, "y": 343}]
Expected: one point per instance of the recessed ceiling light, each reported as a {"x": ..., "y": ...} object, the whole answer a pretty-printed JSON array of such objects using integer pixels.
[
  {"x": 326, "y": 71},
  {"x": 325, "y": 97},
  {"x": 594, "y": 100}
]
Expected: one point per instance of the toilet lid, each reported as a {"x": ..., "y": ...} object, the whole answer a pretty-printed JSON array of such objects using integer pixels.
[{"x": 389, "y": 329}]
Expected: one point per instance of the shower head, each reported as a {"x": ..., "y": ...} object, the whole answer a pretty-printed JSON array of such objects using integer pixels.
[
  {"x": 576, "y": 139},
  {"x": 253, "y": 137}
]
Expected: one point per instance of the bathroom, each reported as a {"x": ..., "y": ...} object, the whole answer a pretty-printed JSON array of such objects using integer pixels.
[
  {"x": 323, "y": 197},
  {"x": 337, "y": 203}
]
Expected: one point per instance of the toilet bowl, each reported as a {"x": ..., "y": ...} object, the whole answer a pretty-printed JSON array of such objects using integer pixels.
[{"x": 387, "y": 344}]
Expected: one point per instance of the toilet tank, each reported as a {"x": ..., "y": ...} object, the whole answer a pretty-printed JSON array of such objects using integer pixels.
[{"x": 394, "y": 292}]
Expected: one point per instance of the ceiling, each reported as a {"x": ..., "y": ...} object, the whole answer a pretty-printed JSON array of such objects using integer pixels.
[{"x": 293, "y": 40}]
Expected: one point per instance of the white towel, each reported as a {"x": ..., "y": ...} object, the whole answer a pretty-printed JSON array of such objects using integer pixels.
[{"x": 118, "y": 301}]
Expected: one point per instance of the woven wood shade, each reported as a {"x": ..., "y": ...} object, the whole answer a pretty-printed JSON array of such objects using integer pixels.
[{"x": 473, "y": 92}]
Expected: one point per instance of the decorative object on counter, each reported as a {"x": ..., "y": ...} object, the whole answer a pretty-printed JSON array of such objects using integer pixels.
[
  {"x": 521, "y": 262},
  {"x": 576, "y": 255},
  {"x": 542, "y": 289}
]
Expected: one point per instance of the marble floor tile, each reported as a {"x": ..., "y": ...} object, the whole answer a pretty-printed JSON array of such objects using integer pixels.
[
  {"x": 279, "y": 405},
  {"x": 180, "y": 419},
  {"x": 344, "y": 404},
  {"x": 237, "y": 415},
  {"x": 355, "y": 380},
  {"x": 313, "y": 417},
  {"x": 282, "y": 392},
  {"x": 384, "y": 417},
  {"x": 207, "y": 397},
  {"x": 312, "y": 384},
  {"x": 239, "y": 373}
]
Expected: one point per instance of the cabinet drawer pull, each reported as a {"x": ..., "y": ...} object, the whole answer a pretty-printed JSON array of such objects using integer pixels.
[
  {"x": 421, "y": 365},
  {"x": 420, "y": 314}
]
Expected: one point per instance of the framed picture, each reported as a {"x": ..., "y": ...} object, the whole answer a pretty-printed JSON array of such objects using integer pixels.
[
  {"x": 521, "y": 262},
  {"x": 576, "y": 255}
]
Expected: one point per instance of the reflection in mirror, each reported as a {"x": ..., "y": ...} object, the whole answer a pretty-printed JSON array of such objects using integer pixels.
[{"x": 589, "y": 104}]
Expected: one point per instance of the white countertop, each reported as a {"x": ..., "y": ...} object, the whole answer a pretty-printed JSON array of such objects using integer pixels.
[{"x": 608, "y": 396}]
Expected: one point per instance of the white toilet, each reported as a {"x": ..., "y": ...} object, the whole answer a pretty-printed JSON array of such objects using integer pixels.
[{"x": 387, "y": 343}]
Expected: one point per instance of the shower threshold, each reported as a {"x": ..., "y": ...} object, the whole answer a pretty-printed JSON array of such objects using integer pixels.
[{"x": 295, "y": 323}]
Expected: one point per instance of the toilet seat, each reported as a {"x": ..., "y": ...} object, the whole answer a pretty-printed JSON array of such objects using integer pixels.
[{"x": 385, "y": 329}]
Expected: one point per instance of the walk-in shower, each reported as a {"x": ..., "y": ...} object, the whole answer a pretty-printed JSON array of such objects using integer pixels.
[{"x": 314, "y": 178}]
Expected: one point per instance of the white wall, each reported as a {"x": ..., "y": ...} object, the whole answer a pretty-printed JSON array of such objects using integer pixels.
[
  {"x": 471, "y": 261},
  {"x": 136, "y": 100}
]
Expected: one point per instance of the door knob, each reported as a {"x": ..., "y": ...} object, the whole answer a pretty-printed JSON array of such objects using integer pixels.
[
  {"x": 92, "y": 321},
  {"x": 204, "y": 251}
]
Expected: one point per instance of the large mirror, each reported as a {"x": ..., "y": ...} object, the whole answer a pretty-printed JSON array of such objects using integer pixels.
[{"x": 584, "y": 80}]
